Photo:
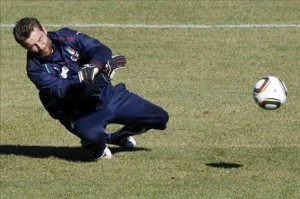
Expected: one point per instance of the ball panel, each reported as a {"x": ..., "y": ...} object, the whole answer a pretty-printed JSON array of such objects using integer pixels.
[
  {"x": 270, "y": 104},
  {"x": 283, "y": 86},
  {"x": 261, "y": 85}
]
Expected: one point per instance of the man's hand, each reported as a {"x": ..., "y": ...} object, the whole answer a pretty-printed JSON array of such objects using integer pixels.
[
  {"x": 115, "y": 63},
  {"x": 87, "y": 73}
]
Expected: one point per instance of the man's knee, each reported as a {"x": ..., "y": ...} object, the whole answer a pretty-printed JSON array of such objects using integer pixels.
[
  {"x": 94, "y": 142},
  {"x": 162, "y": 120}
]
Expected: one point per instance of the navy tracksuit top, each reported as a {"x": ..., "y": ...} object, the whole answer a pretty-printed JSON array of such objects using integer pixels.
[{"x": 56, "y": 76}]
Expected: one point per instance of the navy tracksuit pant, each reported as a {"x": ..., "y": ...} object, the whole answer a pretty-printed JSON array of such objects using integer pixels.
[{"x": 125, "y": 108}]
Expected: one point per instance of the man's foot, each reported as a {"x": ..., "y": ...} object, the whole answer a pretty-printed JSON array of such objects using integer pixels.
[
  {"x": 105, "y": 155},
  {"x": 127, "y": 142}
]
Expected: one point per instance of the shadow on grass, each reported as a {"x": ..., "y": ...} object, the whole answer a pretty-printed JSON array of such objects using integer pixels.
[
  {"x": 73, "y": 154},
  {"x": 224, "y": 165}
]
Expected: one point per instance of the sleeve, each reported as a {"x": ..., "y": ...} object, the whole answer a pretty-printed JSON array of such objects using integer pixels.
[
  {"x": 69, "y": 89},
  {"x": 93, "y": 50}
]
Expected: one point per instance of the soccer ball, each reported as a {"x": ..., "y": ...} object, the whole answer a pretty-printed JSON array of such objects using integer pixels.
[{"x": 270, "y": 93}]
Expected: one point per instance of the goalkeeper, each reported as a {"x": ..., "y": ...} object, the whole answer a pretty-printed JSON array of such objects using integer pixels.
[{"x": 72, "y": 72}]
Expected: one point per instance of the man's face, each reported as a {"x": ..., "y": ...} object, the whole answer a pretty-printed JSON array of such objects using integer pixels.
[{"x": 39, "y": 43}]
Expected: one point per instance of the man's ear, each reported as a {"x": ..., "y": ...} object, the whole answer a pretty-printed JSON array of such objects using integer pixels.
[{"x": 44, "y": 29}]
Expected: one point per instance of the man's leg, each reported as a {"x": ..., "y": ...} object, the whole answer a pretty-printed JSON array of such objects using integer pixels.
[
  {"x": 91, "y": 130},
  {"x": 122, "y": 137},
  {"x": 132, "y": 110},
  {"x": 137, "y": 114}
]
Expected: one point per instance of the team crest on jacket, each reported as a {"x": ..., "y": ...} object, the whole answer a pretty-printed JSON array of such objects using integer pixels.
[{"x": 74, "y": 54}]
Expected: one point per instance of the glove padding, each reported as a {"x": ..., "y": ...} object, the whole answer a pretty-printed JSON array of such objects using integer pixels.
[
  {"x": 113, "y": 64},
  {"x": 87, "y": 73}
]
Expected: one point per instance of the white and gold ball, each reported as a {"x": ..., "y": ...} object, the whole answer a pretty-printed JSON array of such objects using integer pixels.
[{"x": 270, "y": 93}]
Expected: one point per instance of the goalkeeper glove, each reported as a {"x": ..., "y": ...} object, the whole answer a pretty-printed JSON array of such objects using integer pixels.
[
  {"x": 115, "y": 63},
  {"x": 87, "y": 73}
]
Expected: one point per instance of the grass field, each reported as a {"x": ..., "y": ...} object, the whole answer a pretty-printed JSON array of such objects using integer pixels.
[{"x": 218, "y": 144}]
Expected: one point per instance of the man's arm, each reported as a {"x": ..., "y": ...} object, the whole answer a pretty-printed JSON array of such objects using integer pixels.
[
  {"x": 89, "y": 71},
  {"x": 70, "y": 89},
  {"x": 100, "y": 59},
  {"x": 93, "y": 50}
]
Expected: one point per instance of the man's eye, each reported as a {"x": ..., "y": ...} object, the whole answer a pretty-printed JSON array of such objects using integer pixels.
[{"x": 31, "y": 48}]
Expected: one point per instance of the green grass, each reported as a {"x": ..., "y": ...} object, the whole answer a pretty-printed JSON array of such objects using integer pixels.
[{"x": 218, "y": 144}]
